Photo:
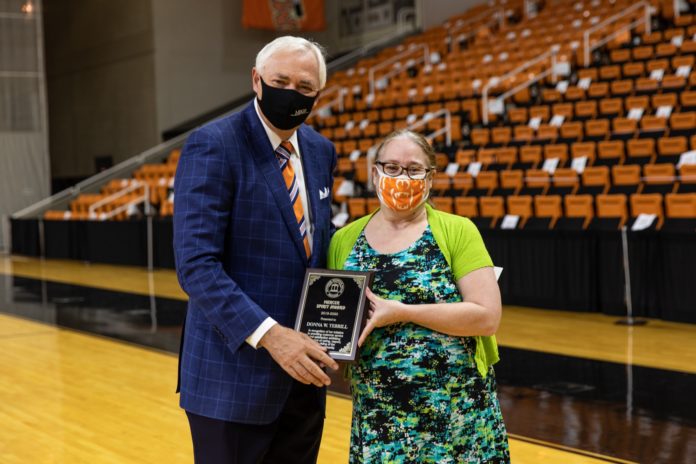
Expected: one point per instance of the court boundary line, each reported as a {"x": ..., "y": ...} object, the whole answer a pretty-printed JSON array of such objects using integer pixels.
[{"x": 569, "y": 449}]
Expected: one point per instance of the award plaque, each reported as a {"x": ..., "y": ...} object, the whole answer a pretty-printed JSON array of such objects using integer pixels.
[{"x": 332, "y": 310}]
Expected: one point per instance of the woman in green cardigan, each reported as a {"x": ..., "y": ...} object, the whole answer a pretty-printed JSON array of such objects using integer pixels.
[{"x": 423, "y": 386}]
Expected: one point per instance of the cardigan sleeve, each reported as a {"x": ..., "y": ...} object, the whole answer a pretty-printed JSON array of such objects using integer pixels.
[{"x": 468, "y": 252}]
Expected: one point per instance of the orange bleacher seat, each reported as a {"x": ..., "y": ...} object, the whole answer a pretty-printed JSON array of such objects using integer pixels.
[
  {"x": 520, "y": 206},
  {"x": 579, "y": 206},
  {"x": 633, "y": 69},
  {"x": 547, "y": 133},
  {"x": 466, "y": 206},
  {"x": 511, "y": 181},
  {"x": 620, "y": 55},
  {"x": 504, "y": 158},
  {"x": 622, "y": 88},
  {"x": 361, "y": 169},
  {"x": 610, "y": 152},
  {"x": 492, "y": 207},
  {"x": 646, "y": 85},
  {"x": 442, "y": 183},
  {"x": 611, "y": 107},
  {"x": 652, "y": 38},
  {"x": 536, "y": 182},
  {"x": 484, "y": 182},
  {"x": 558, "y": 150},
  {"x": 650, "y": 203},
  {"x": 659, "y": 178},
  {"x": 445, "y": 204},
  {"x": 687, "y": 179},
  {"x": 539, "y": 111},
  {"x": 585, "y": 110},
  {"x": 480, "y": 137},
  {"x": 372, "y": 204},
  {"x": 344, "y": 165},
  {"x": 462, "y": 182},
  {"x": 595, "y": 180},
  {"x": 663, "y": 99},
  {"x": 167, "y": 208},
  {"x": 571, "y": 131},
  {"x": 597, "y": 129},
  {"x": 681, "y": 205},
  {"x": 588, "y": 73},
  {"x": 654, "y": 65},
  {"x": 574, "y": 94},
  {"x": 501, "y": 135},
  {"x": 598, "y": 90},
  {"x": 548, "y": 206},
  {"x": 612, "y": 206},
  {"x": 684, "y": 60},
  {"x": 610, "y": 73},
  {"x": 550, "y": 95},
  {"x": 530, "y": 156},
  {"x": 464, "y": 157},
  {"x": 522, "y": 134},
  {"x": 682, "y": 123},
  {"x": 588, "y": 149},
  {"x": 625, "y": 179},
  {"x": 665, "y": 50},
  {"x": 670, "y": 148},
  {"x": 688, "y": 100},
  {"x": 642, "y": 53},
  {"x": 638, "y": 101},
  {"x": 623, "y": 128},
  {"x": 565, "y": 181},
  {"x": 652, "y": 126},
  {"x": 640, "y": 151},
  {"x": 518, "y": 115},
  {"x": 673, "y": 83},
  {"x": 563, "y": 109}
]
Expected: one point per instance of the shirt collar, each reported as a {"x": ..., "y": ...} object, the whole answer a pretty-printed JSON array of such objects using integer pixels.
[{"x": 272, "y": 136}]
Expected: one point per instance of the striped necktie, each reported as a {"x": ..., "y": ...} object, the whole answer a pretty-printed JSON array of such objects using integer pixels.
[{"x": 283, "y": 152}]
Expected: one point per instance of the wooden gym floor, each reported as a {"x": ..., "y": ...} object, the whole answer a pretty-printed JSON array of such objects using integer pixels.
[{"x": 89, "y": 371}]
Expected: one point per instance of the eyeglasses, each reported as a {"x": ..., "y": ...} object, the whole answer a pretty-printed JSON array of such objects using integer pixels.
[
  {"x": 304, "y": 89},
  {"x": 414, "y": 171}
]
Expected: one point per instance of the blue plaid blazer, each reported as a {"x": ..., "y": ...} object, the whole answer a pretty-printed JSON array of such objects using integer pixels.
[{"x": 240, "y": 258}]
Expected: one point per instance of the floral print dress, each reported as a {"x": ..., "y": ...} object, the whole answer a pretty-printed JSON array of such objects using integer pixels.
[{"x": 417, "y": 395}]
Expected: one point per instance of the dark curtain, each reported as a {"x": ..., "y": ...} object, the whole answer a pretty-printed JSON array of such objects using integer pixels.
[{"x": 566, "y": 270}]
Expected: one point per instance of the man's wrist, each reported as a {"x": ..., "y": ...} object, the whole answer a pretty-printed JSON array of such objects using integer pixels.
[{"x": 255, "y": 338}]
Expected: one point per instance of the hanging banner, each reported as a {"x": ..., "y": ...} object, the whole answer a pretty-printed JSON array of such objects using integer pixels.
[{"x": 284, "y": 15}]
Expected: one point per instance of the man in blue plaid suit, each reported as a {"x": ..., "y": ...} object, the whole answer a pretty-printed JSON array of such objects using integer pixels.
[{"x": 254, "y": 389}]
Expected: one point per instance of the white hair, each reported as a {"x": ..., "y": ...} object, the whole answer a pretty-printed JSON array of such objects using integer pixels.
[{"x": 292, "y": 43}]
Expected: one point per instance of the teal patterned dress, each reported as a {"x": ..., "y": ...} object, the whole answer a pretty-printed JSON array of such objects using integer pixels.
[{"x": 417, "y": 395}]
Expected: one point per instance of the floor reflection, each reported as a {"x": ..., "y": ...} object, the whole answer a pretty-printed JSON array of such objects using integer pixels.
[
  {"x": 145, "y": 320},
  {"x": 634, "y": 413}
]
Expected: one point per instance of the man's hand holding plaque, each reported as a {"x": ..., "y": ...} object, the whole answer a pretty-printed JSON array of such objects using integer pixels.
[{"x": 332, "y": 310}]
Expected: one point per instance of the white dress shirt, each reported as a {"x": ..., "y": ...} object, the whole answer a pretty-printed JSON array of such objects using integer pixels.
[{"x": 296, "y": 160}]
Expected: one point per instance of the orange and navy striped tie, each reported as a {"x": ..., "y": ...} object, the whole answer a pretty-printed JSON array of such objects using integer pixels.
[{"x": 283, "y": 152}]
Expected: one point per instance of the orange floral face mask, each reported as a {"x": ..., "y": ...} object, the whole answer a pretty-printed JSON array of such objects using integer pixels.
[{"x": 401, "y": 193}]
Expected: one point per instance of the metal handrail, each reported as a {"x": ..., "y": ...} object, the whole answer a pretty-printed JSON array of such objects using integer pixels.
[
  {"x": 460, "y": 24},
  {"x": 341, "y": 90},
  {"x": 395, "y": 58},
  {"x": 160, "y": 152},
  {"x": 134, "y": 185},
  {"x": 588, "y": 48},
  {"x": 551, "y": 53},
  {"x": 156, "y": 153}
]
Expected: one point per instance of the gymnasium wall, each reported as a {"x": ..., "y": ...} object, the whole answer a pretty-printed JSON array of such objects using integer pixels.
[
  {"x": 121, "y": 73},
  {"x": 101, "y": 82}
]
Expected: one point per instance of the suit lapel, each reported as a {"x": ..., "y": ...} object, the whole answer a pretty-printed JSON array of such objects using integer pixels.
[{"x": 266, "y": 161}]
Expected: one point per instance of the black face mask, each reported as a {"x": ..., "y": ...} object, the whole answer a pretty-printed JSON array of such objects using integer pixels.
[{"x": 285, "y": 108}]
